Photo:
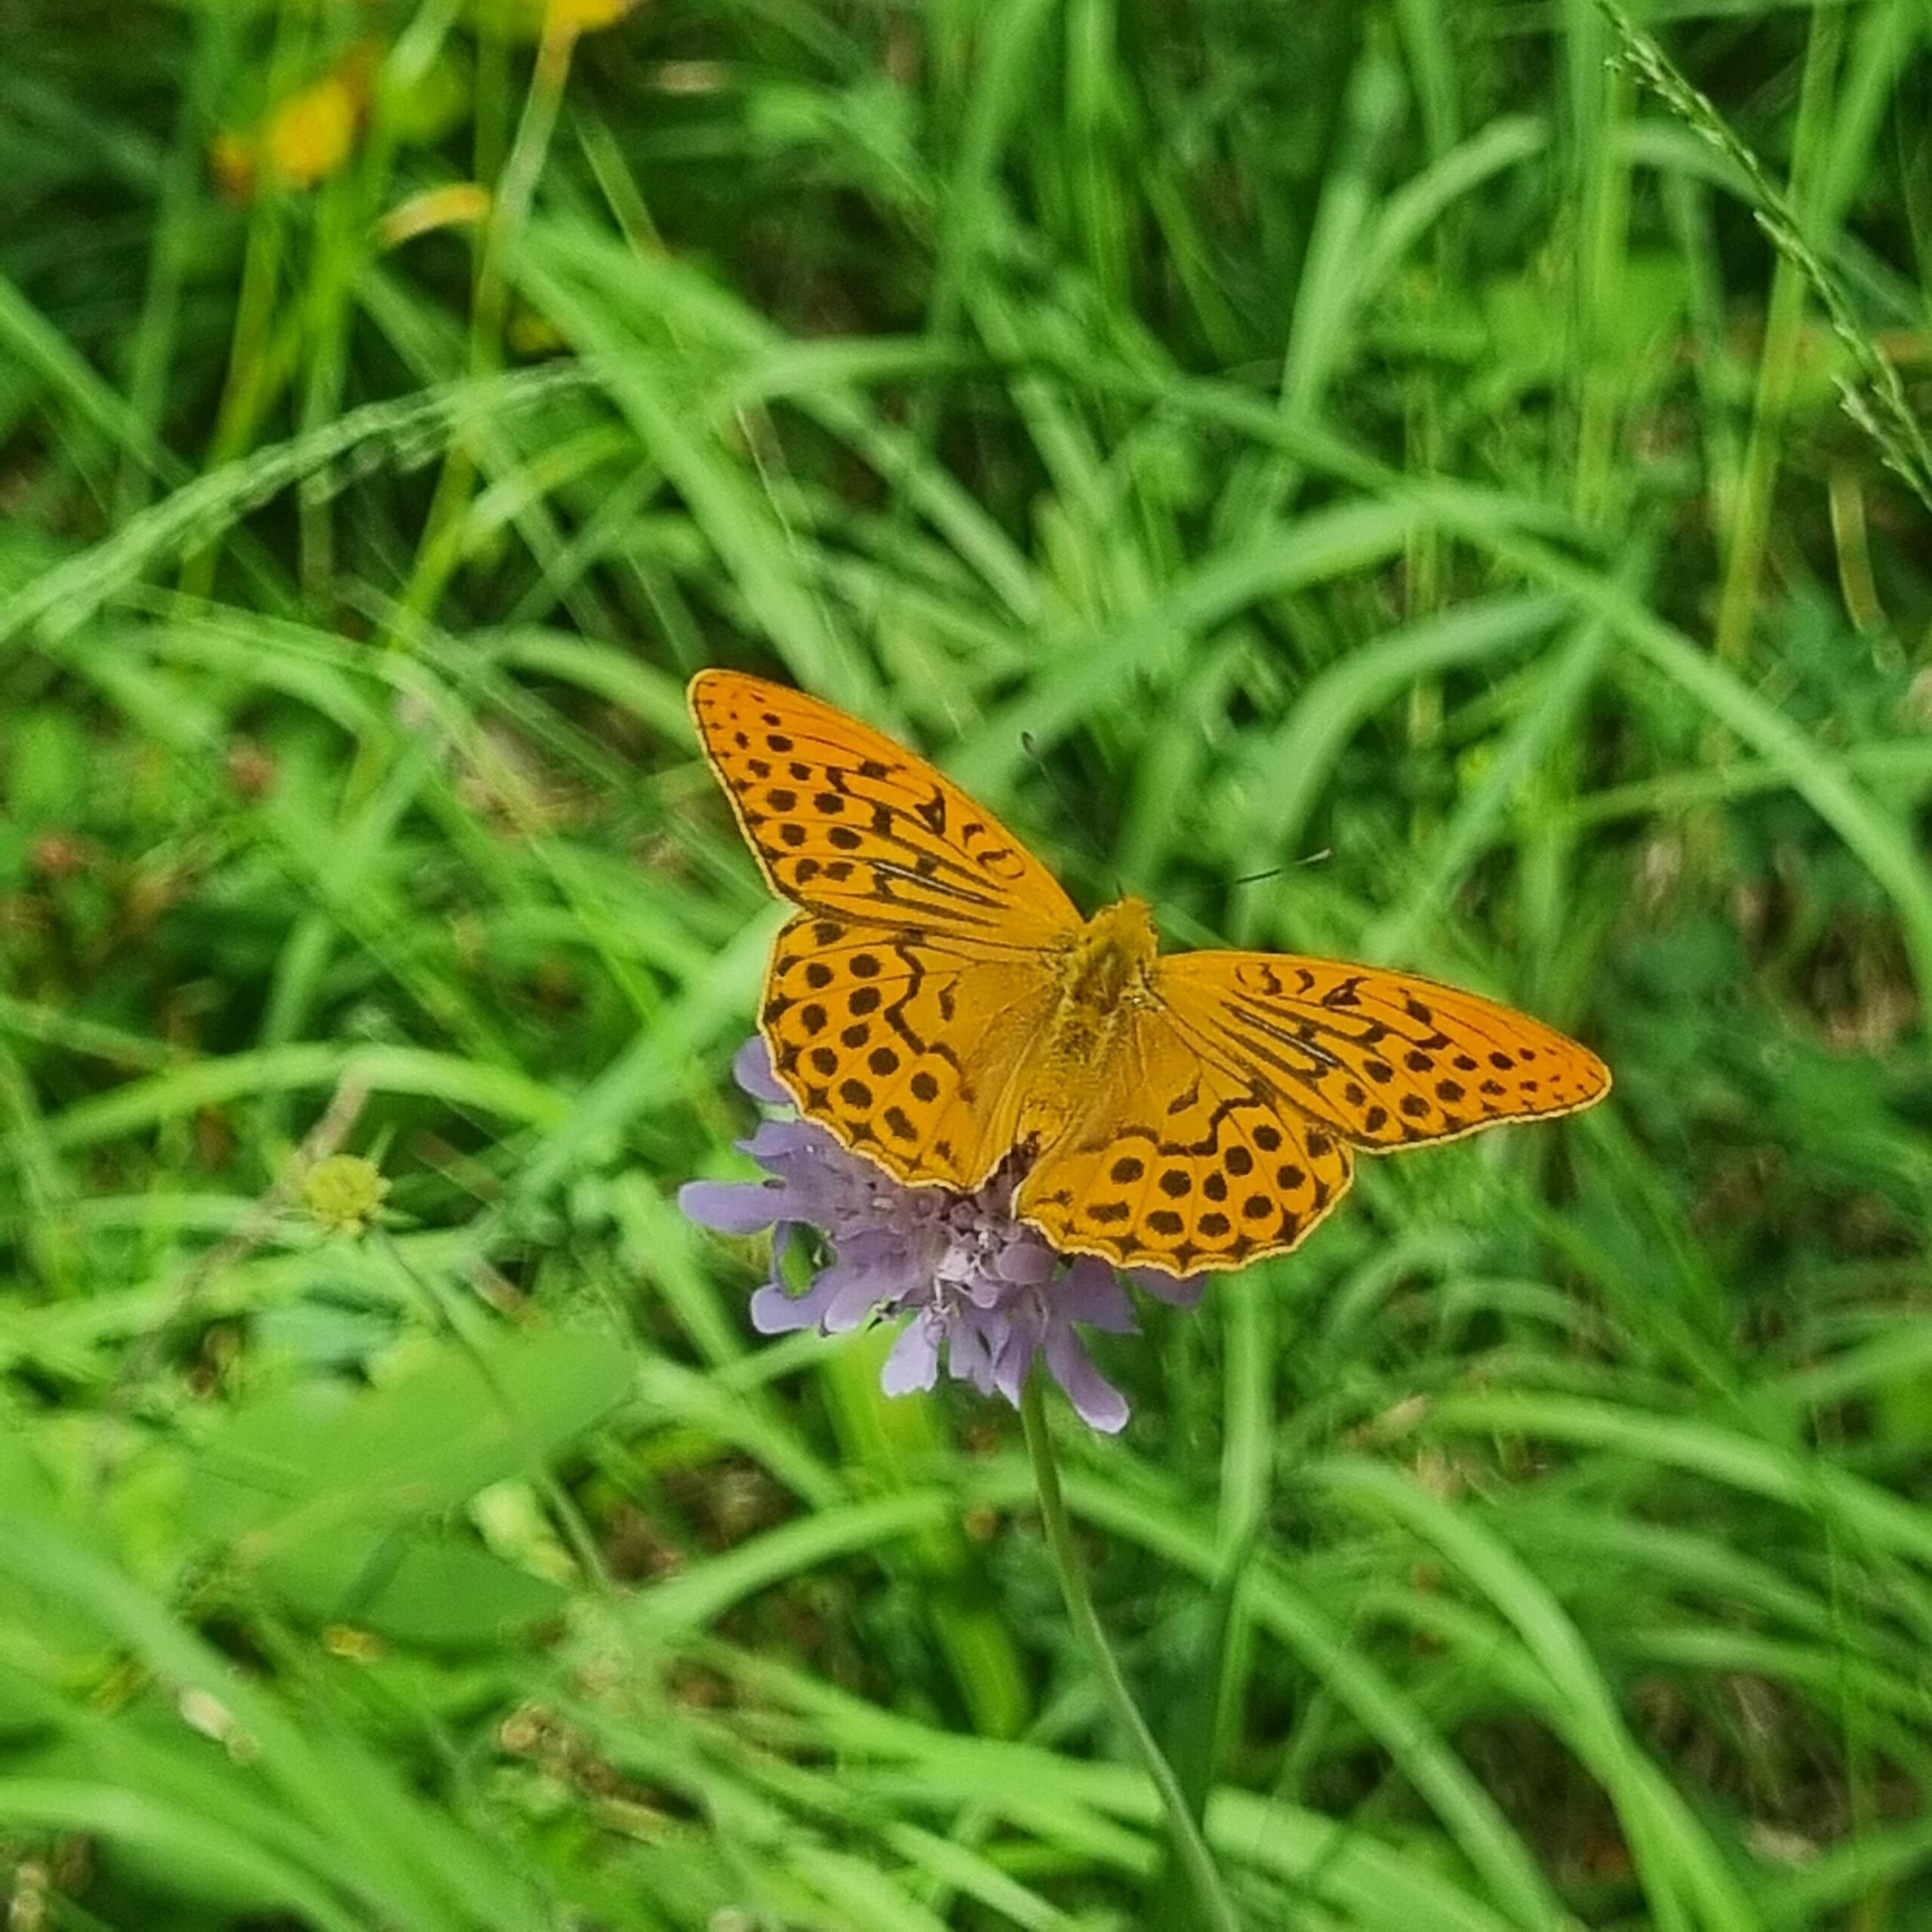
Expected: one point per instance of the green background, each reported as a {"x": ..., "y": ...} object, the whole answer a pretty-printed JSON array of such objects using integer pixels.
[{"x": 1426, "y": 437}]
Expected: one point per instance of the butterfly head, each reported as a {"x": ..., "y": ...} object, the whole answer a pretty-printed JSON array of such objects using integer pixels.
[{"x": 1111, "y": 959}]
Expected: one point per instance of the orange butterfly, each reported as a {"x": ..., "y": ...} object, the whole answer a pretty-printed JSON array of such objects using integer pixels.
[{"x": 938, "y": 1004}]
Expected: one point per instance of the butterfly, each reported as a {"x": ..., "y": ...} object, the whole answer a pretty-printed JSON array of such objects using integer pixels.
[{"x": 938, "y": 1003}]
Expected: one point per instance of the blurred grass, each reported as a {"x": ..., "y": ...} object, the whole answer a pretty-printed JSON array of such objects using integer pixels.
[{"x": 1405, "y": 433}]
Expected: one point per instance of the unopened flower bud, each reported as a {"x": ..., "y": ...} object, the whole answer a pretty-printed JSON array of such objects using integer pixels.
[{"x": 344, "y": 1192}]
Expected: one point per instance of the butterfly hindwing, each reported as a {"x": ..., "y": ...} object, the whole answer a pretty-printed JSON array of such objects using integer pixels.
[
  {"x": 1185, "y": 1162},
  {"x": 845, "y": 821},
  {"x": 1386, "y": 1060},
  {"x": 910, "y": 1051}
]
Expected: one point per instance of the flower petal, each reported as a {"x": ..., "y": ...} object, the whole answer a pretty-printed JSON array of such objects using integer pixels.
[
  {"x": 1096, "y": 1401},
  {"x": 1026, "y": 1324},
  {"x": 730, "y": 1207},
  {"x": 1026, "y": 1262},
  {"x": 1090, "y": 1291},
  {"x": 972, "y": 1341},
  {"x": 751, "y": 1068},
  {"x": 774, "y": 1141},
  {"x": 1181, "y": 1291},
  {"x": 775, "y": 1311},
  {"x": 853, "y": 1290},
  {"x": 914, "y": 1361}
]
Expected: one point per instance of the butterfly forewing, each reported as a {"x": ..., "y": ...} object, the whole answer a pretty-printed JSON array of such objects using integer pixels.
[
  {"x": 1184, "y": 1160},
  {"x": 909, "y": 1048},
  {"x": 1386, "y": 1059},
  {"x": 845, "y": 821}
]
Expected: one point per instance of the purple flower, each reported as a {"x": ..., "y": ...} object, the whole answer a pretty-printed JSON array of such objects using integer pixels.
[{"x": 979, "y": 1285}]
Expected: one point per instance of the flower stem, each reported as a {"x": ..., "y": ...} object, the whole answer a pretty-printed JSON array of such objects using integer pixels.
[{"x": 1217, "y": 1913}]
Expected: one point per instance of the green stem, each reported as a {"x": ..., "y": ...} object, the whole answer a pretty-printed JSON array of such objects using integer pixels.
[
  {"x": 440, "y": 552},
  {"x": 1189, "y": 1846}
]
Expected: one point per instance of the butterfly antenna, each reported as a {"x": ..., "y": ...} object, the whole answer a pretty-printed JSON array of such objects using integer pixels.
[
  {"x": 1069, "y": 806},
  {"x": 1320, "y": 858}
]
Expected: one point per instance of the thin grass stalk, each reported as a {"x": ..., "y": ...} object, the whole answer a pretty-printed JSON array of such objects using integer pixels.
[
  {"x": 440, "y": 548},
  {"x": 1749, "y": 535}
]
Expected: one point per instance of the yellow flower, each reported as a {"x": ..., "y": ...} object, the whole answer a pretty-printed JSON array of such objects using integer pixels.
[
  {"x": 310, "y": 135},
  {"x": 344, "y": 1192},
  {"x": 305, "y": 138}
]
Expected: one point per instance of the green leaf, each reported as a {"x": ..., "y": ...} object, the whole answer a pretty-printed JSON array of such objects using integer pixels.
[{"x": 313, "y": 1458}]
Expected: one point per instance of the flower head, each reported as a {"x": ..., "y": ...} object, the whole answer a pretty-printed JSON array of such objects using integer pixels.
[
  {"x": 344, "y": 1193},
  {"x": 981, "y": 1287},
  {"x": 306, "y": 138}
]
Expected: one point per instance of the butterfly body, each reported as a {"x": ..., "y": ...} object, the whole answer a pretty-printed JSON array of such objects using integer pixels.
[
  {"x": 1105, "y": 975},
  {"x": 939, "y": 1005}
]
